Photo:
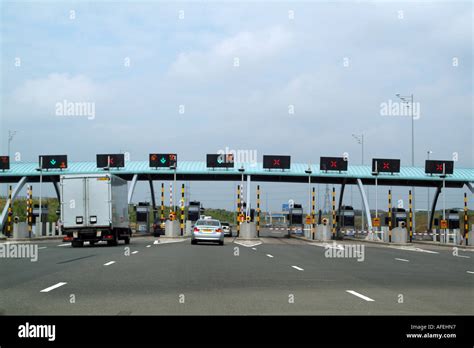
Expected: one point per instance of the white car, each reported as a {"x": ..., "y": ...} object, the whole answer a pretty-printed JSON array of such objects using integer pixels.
[{"x": 207, "y": 230}]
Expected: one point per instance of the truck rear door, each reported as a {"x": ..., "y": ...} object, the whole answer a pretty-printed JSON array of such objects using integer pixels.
[
  {"x": 73, "y": 202},
  {"x": 98, "y": 202}
]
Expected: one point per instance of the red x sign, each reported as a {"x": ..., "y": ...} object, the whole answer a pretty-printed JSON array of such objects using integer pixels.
[
  {"x": 386, "y": 165},
  {"x": 276, "y": 162},
  {"x": 333, "y": 164}
]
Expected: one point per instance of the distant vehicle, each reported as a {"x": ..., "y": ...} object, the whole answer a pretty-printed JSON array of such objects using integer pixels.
[
  {"x": 99, "y": 212},
  {"x": 227, "y": 229},
  {"x": 158, "y": 228},
  {"x": 208, "y": 230}
]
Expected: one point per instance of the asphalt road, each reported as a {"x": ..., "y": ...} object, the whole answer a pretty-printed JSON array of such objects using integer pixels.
[{"x": 279, "y": 276}]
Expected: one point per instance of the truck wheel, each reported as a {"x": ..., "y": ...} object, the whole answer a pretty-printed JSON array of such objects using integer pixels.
[
  {"x": 77, "y": 244},
  {"x": 221, "y": 243},
  {"x": 127, "y": 240},
  {"x": 193, "y": 242}
]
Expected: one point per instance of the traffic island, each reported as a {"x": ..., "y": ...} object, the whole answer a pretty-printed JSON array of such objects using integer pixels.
[
  {"x": 248, "y": 230},
  {"x": 172, "y": 229}
]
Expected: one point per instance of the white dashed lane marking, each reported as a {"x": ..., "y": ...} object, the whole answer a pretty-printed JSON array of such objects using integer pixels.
[
  {"x": 471, "y": 272},
  {"x": 368, "y": 299},
  {"x": 109, "y": 263},
  {"x": 53, "y": 287},
  {"x": 404, "y": 260},
  {"x": 135, "y": 252},
  {"x": 298, "y": 268},
  {"x": 148, "y": 246},
  {"x": 269, "y": 255},
  {"x": 66, "y": 244}
]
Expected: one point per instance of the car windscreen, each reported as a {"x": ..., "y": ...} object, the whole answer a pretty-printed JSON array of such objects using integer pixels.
[
  {"x": 207, "y": 223},
  {"x": 225, "y": 224}
]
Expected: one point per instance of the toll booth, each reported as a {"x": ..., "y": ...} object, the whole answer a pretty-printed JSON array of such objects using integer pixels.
[
  {"x": 194, "y": 211},
  {"x": 399, "y": 216},
  {"x": 453, "y": 233},
  {"x": 39, "y": 230},
  {"x": 346, "y": 217},
  {"x": 143, "y": 212},
  {"x": 295, "y": 215}
]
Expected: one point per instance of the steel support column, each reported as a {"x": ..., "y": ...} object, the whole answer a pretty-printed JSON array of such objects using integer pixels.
[{"x": 365, "y": 202}]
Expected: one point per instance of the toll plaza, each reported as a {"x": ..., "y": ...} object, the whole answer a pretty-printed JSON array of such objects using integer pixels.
[{"x": 334, "y": 171}]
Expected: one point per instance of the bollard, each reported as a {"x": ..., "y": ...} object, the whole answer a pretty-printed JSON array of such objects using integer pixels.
[
  {"x": 466, "y": 222},
  {"x": 333, "y": 213},
  {"x": 182, "y": 210},
  {"x": 162, "y": 210},
  {"x": 313, "y": 209},
  {"x": 410, "y": 215},
  {"x": 389, "y": 216},
  {"x": 238, "y": 210},
  {"x": 258, "y": 210}
]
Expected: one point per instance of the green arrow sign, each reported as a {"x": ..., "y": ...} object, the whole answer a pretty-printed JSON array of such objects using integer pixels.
[
  {"x": 53, "y": 162},
  {"x": 163, "y": 160}
]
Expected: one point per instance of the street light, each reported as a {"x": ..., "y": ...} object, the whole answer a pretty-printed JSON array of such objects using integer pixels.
[
  {"x": 360, "y": 140},
  {"x": 11, "y": 134},
  {"x": 408, "y": 99},
  {"x": 40, "y": 225},
  {"x": 428, "y": 203}
]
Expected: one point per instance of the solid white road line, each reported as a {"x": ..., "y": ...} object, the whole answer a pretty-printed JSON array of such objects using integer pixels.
[
  {"x": 471, "y": 272},
  {"x": 466, "y": 257},
  {"x": 247, "y": 244},
  {"x": 156, "y": 242},
  {"x": 135, "y": 252},
  {"x": 360, "y": 295},
  {"x": 254, "y": 248},
  {"x": 53, "y": 287},
  {"x": 67, "y": 244},
  {"x": 298, "y": 268},
  {"x": 404, "y": 260},
  {"x": 269, "y": 255},
  {"x": 109, "y": 263},
  {"x": 148, "y": 246},
  {"x": 42, "y": 248}
]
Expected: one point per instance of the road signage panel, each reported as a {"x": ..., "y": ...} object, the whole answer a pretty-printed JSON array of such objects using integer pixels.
[
  {"x": 163, "y": 160},
  {"x": 376, "y": 222},
  {"x": 53, "y": 161},
  {"x": 385, "y": 165},
  {"x": 220, "y": 160},
  {"x": 333, "y": 163},
  {"x": 276, "y": 162},
  {"x": 436, "y": 167},
  {"x": 4, "y": 162},
  {"x": 111, "y": 160},
  {"x": 444, "y": 224}
]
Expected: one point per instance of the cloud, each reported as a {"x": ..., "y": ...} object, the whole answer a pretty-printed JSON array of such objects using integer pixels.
[
  {"x": 44, "y": 93},
  {"x": 249, "y": 47}
]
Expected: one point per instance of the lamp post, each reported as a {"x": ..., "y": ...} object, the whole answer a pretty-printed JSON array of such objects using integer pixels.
[
  {"x": 428, "y": 202},
  {"x": 40, "y": 225},
  {"x": 408, "y": 99},
  {"x": 360, "y": 140}
]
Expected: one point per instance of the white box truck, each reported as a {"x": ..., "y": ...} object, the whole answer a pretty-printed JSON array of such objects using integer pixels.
[{"x": 94, "y": 208}]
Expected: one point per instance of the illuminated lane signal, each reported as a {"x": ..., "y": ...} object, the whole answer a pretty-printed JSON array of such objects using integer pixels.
[
  {"x": 333, "y": 163},
  {"x": 385, "y": 165},
  {"x": 276, "y": 162},
  {"x": 436, "y": 167},
  {"x": 53, "y": 161},
  {"x": 220, "y": 161},
  {"x": 163, "y": 160},
  {"x": 4, "y": 162},
  {"x": 111, "y": 160}
]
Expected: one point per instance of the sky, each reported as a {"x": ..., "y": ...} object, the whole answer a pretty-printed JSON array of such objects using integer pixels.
[{"x": 294, "y": 78}]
